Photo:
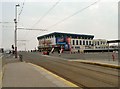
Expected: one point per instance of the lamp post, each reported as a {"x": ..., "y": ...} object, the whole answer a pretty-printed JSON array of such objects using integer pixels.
[{"x": 15, "y": 20}]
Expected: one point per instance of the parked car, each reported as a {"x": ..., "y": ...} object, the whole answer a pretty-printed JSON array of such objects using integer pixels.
[{"x": 45, "y": 52}]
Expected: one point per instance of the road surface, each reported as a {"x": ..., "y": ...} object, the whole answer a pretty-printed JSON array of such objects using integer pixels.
[{"x": 84, "y": 75}]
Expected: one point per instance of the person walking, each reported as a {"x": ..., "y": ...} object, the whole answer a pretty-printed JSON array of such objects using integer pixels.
[
  {"x": 113, "y": 56},
  {"x": 59, "y": 51}
]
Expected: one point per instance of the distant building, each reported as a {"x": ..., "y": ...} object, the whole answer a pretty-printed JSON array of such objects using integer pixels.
[
  {"x": 67, "y": 41},
  {"x": 100, "y": 44},
  {"x": 74, "y": 43}
]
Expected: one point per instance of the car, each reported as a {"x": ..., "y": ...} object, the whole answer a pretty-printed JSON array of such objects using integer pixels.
[{"x": 45, "y": 52}]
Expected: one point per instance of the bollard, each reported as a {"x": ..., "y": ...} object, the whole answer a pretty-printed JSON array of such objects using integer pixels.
[{"x": 21, "y": 58}]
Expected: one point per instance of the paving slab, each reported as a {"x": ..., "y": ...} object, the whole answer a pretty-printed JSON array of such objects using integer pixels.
[{"x": 0, "y": 71}]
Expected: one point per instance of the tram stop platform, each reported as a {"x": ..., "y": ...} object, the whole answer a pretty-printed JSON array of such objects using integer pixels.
[{"x": 22, "y": 74}]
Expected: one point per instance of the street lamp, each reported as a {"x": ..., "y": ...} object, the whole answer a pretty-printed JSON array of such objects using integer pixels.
[{"x": 15, "y": 20}]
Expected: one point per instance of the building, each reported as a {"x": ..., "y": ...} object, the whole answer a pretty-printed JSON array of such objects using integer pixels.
[
  {"x": 75, "y": 43},
  {"x": 67, "y": 41},
  {"x": 100, "y": 44}
]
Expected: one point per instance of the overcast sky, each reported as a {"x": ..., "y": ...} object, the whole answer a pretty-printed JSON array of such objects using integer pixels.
[{"x": 100, "y": 19}]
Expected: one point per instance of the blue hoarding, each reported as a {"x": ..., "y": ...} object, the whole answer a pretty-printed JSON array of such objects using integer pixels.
[
  {"x": 60, "y": 40},
  {"x": 63, "y": 42}
]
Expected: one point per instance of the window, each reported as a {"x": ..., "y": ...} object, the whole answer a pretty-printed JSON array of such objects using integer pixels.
[
  {"x": 73, "y": 42},
  {"x": 86, "y": 42},
  {"x": 89, "y": 42},
  {"x": 83, "y": 42},
  {"x": 77, "y": 47},
  {"x": 76, "y": 42},
  {"x": 80, "y": 42},
  {"x": 95, "y": 43},
  {"x": 103, "y": 42},
  {"x": 98, "y": 42}
]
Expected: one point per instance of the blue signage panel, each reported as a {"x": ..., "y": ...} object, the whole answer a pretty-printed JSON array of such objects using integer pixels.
[
  {"x": 60, "y": 40},
  {"x": 63, "y": 42}
]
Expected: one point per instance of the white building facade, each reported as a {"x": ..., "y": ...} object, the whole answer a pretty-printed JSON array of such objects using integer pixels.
[
  {"x": 100, "y": 44},
  {"x": 72, "y": 42},
  {"x": 68, "y": 41}
]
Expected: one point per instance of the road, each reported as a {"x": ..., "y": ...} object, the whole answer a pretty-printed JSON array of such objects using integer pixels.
[
  {"x": 84, "y": 75},
  {"x": 105, "y": 56}
]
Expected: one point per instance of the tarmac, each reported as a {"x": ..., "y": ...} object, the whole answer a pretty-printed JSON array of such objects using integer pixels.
[
  {"x": 22, "y": 74},
  {"x": 101, "y": 61},
  {"x": 104, "y": 63}
]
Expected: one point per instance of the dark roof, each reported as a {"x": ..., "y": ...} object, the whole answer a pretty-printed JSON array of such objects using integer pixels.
[
  {"x": 59, "y": 34},
  {"x": 113, "y": 41}
]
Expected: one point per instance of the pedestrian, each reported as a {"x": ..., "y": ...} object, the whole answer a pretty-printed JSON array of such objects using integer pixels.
[
  {"x": 59, "y": 51},
  {"x": 113, "y": 56},
  {"x": 52, "y": 51}
]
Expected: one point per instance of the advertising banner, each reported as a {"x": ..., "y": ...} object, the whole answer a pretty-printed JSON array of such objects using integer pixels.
[
  {"x": 60, "y": 40},
  {"x": 67, "y": 46},
  {"x": 68, "y": 40},
  {"x": 45, "y": 42},
  {"x": 64, "y": 42}
]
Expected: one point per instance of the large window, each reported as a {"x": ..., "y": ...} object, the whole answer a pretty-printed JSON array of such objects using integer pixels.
[
  {"x": 76, "y": 42},
  {"x": 80, "y": 42},
  {"x": 83, "y": 42},
  {"x": 86, "y": 42},
  {"x": 89, "y": 42},
  {"x": 98, "y": 42},
  {"x": 73, "y": 42}
]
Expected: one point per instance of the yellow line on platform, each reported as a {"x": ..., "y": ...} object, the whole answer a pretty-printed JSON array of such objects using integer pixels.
[{"x": 64, "y": 80}]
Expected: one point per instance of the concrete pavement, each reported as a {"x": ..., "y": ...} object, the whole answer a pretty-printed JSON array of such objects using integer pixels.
[
  {"x": 21, "y": 74},
  {"x": 0, "y": 70}
]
